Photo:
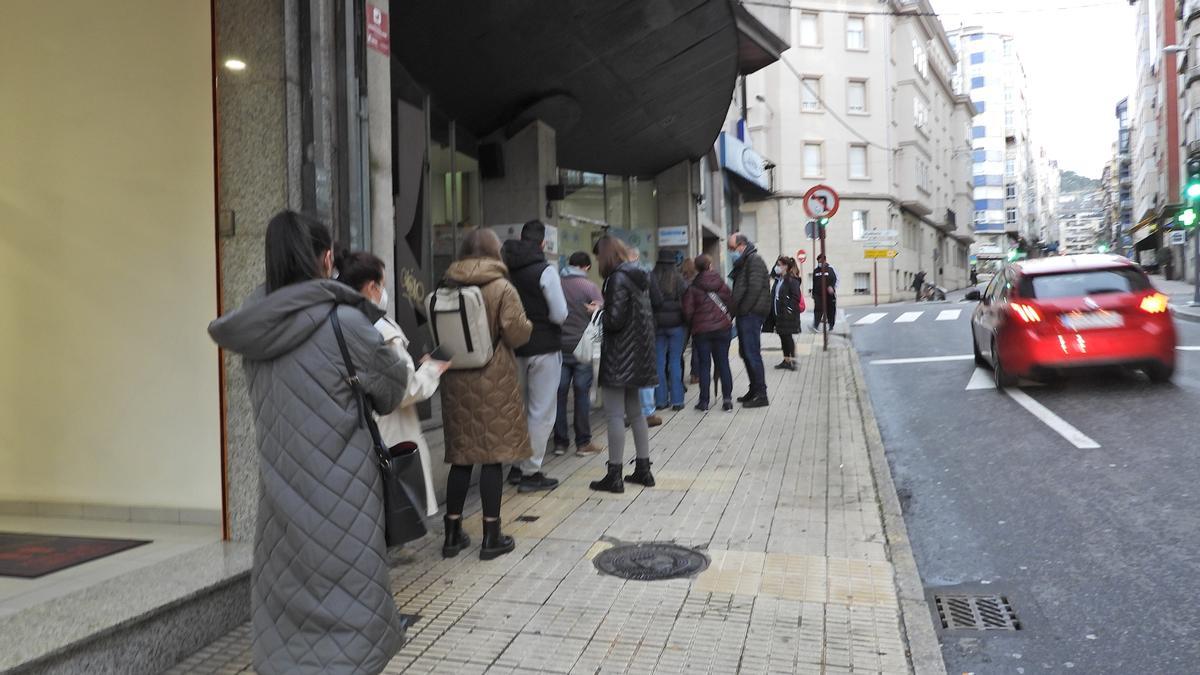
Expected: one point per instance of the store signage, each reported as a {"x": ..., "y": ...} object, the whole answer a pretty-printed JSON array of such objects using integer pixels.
[
  {"x": 741, "y": 159},
  {"x": 1178, "y": 238},
  {"x": 871, "y": 253},
  {"x": 378, "y": 34},
  {"x": 674, "y": 236}
]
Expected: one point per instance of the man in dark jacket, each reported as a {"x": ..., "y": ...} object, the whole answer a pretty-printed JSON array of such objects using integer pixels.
[
  {"x": 752, "y": 306},
  {"x": 539, "y": 362},
  {"x": 824, "y": 292},
  {"x": 918, "y": 285},
  {"x": 583, "y": 301}
]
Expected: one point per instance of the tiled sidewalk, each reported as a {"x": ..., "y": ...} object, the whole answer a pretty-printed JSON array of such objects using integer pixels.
[{"x": 781, "y": 499}]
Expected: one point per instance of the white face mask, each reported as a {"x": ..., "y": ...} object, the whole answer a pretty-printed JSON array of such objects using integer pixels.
[
  {"x": 778, "y": 271},
  {"x": 382, "y": 303}
]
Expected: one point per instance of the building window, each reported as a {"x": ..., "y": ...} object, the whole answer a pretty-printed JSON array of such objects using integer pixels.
[
  {"x": 859, "y": 223},
  {"x": 1010, "y": 167},
  {"x": 856, "y": 96},
  {"x": 979, "y": 155},
  {"x": 858, "y": 161},
  {"x": 976, "y": 58},
  {"x": 810, "y": 29},
  {"x": 814, "y": 160},
  {"x": 980, "y": 107},
  {"x": 922, "y": 174},
  {"x": 856, "y": 32},
  {"x": 1010, "y": 216},
  {"x": 920, "y": 113},
  {"x": 980, "y": 216},
  {"x": 1008, "y": 120},
  {"x": 862, "y": 283},
  {"x": 977, "y": 82},
  {"x": 1010, "y": 192},
  {"x": 810, "y": 94},
  {"x": 978, "y": 132},
  {"x": 920, "y": 59}
]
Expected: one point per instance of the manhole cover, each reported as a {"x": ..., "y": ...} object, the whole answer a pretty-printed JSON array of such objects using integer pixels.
[
  {"x": 651, "y": 561},
  {"x": 976, "y": 612}
]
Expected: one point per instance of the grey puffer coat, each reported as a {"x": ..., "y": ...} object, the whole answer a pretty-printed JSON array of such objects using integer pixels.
[{"x": 320, "y": 596}]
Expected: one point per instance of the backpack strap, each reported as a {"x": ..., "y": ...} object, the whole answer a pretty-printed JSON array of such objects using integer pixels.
[
  {"x": 433, "y": 316},
  {"x": 462, "y": 315}
]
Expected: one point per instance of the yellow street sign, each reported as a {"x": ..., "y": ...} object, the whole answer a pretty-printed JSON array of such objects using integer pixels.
[{"x": 869, "y": 253}]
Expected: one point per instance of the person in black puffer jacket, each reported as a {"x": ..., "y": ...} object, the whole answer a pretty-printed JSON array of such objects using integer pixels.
[
  {"x": 667, "y": 291},
  {"x": 785, "y": 308},
  {"x": 626, "y": 359}
]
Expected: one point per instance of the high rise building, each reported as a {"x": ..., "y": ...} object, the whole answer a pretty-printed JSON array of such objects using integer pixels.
[
  {"x": 865, "y": 103},
  {"x": 1005, "y": 160}
]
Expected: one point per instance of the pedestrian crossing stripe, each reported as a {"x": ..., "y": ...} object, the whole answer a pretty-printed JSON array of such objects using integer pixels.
[
  {"x": 903, "y": 317},
  {"x": 908, "y": 317},
  {"x": 949, "y": 314},
  {"x": 870, "y": 318}
]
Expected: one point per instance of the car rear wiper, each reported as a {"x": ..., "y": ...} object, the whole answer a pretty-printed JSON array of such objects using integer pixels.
[{"x": 1102, "y": 291}]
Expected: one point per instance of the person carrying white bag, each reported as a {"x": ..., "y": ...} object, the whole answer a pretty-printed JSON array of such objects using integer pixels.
[{"x": 581, "y": 348}]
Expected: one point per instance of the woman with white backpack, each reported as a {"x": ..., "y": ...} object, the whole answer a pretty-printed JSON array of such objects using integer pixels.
[{"x": 483, "y": 414}]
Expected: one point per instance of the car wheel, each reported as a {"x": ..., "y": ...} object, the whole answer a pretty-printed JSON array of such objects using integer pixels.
[
  {"x": 1160, "y": 373},
  {"x": 1002, "y": 377},
  {"x": 979, "y": 360}
]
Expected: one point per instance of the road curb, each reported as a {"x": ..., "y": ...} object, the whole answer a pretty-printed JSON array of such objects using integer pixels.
[
  {"x": 924, "y": 649},
  {"x": 1192, "y": 317}
]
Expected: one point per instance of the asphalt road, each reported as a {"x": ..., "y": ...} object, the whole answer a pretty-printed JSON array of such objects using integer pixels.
[{"x": 1097, "y": 549}]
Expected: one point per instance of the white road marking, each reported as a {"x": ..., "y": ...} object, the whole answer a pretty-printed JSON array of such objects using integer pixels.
[
  {"x": 949, "y": 314},
  {"x": 908, "y": 317},
  {"x": 1064, "y": 428},
  {"x": 870, "y": 318},
  {"x": 1188, "y": 349},
  {"x": 923, "y": 359},
  {"x": 981, "y": 379}
]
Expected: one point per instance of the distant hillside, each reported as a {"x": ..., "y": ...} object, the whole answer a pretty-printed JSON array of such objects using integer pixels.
[{"x": 1073, "y": 182}]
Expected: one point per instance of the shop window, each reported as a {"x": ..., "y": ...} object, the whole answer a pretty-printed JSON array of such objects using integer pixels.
[{"x": 616, "y": 201}]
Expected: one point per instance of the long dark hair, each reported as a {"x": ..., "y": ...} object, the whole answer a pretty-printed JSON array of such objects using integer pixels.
[
  {"x": 668, "y": 278},
  {"x": 294, "y": 247},
  {"x": 611, "y": 253},
  {"x": 359, "y": 268}
]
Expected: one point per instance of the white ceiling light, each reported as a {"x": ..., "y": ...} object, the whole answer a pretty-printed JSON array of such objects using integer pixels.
[{"x": 235, "y": 65}]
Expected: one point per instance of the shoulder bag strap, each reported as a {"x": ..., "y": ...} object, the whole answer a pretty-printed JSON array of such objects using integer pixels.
[
  {"x": 356, "y": 386},
  {"x": 716, "y": 299}
]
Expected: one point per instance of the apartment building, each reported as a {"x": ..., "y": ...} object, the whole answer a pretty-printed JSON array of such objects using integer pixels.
[
  {"x": 1005, "y": 158},
  {"x": 1184, "y": 257},
  {"x": 865, "y": 103}
]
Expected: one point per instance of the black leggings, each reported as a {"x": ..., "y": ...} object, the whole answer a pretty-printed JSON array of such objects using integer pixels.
[
  {"x": 789, "y": 345},
  {"x": 491, "y": 483}
]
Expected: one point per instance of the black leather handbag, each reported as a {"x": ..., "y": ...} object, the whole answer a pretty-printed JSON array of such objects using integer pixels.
[{"x": 400, "y": 465}]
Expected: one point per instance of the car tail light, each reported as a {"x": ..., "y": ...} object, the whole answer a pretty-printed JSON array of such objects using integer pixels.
[
  {"x": 1155, "y": 303},
  {"x": 1026, "y": 313}
]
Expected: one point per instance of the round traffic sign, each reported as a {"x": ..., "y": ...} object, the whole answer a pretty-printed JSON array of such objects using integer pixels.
[
  {"x": 821, "y": 201},
  {"x": 801, "y": 256}
]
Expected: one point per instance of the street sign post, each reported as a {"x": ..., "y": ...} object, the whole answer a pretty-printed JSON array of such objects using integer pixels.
[{"x": 821, "y": 202}]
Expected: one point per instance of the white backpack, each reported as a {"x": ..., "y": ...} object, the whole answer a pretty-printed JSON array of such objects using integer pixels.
[{"x": 459, "y": 321}]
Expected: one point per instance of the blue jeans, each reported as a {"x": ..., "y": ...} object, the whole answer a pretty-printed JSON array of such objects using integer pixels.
[
  {"x": 713, "y": 348},
  {"x": 669, "y": 391},
  {"x": 749, "y": 330},
  {"x": 578, "y": 377},
  {"x": 647, "y": 397}
]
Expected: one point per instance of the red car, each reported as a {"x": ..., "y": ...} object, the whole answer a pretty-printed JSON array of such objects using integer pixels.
[{"x": 1044, "y": 316}]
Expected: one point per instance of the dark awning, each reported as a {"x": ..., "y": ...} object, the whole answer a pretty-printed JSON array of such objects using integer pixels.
[{"x": 630, "y": 87}]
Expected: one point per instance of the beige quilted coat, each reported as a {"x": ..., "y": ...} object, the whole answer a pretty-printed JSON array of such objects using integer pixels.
[{"x": 482, "y": 410}]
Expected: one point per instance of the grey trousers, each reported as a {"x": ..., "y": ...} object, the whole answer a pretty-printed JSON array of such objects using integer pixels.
[
  {"x": 539, "y": 376},
  {"x": 621, "y": 403}
]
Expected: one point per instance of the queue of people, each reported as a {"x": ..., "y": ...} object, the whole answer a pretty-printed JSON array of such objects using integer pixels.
[{"x": 334, "y": 390}]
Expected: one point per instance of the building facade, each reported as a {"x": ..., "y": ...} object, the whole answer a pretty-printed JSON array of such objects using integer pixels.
[
  {"x": 865, "y": 103},
  {"x": 1007, "y": 190},
  {"x": 1188, "y": 28}
]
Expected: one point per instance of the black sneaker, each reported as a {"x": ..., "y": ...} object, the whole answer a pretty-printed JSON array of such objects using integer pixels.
[
  {"x": 514, "y": 476},
  {"x": 727, "y": 406},
  {"x": 742, "y": 399},
  {"x": 677, "y": 408},
  {"x": 537, "y": 482},
  {"x": 757, "y": 402}
]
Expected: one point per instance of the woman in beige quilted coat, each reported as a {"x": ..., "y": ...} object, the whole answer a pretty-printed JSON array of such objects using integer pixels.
[{"x": 482, "y": 411}]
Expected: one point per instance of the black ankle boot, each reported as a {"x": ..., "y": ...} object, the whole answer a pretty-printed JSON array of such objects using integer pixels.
[
  {"x": 495, "y": 543},
  {"x": 455, "y": 539},
  {"x": 641, "y": 473},
  {"x": 612, "y": 482}
]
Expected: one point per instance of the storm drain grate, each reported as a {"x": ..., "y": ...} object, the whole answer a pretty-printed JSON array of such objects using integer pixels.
[
  {"x": 652, "y": 561},
  {"x": 976, "y": 612}
]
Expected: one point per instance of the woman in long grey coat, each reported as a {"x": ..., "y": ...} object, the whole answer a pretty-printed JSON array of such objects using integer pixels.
[{"x": 320, "y": 597}]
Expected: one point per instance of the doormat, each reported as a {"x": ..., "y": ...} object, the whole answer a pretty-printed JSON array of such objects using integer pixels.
[{"x": 30, "y": 556}]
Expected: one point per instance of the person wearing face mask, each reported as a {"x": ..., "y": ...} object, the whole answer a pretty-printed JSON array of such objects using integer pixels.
[
  {"x": 786, "y": 305},
  {"x": 752, "y": 306},
  {"x": 320, "y": 569},
  {"x": 364, "y": 273}
]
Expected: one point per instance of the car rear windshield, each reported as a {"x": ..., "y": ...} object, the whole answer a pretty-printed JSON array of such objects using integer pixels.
[{"x": 1090, "y": 282}]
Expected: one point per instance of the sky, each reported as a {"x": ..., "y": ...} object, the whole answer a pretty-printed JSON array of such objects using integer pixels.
[{"x": 1079, "y": 61}]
